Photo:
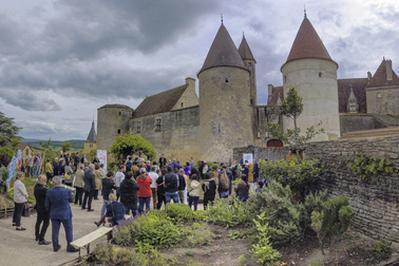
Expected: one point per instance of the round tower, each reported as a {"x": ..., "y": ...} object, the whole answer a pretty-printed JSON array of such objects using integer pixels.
[
  {"x": 112, "y": 120},
  {"x": 225, "y": 101},
  {"x": 311, "y": 71}
]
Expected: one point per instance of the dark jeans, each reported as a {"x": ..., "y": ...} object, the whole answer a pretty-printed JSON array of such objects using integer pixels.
[
  {"x": 88, "y": 198},
  {"x": 131, "y": 207},
  {"x": 42, "y": 217},
  {"x": 55, "y": 226},
  {"x": 78, "y": 195},
  {"x": 18, "y": 210},
  {"x": 95, "y": 194},
  {"x": 193, "y": 200},
  {"x": 161, "y": 199},
  {"x": 144, "y": 201},
  {"x": 118, "y": 193},
  {"x": 171, "y": 195}
]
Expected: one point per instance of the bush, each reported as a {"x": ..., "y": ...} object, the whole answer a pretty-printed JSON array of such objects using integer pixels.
[
  {"x": 301, "y": 176},
  {"x": 282, "y": 214},
  {"x": 128, "y": 144},
  {"x": 262, "y": 250},
  {"x": 333, "y": 220},
  {"x": 367, "y": 167},
  {"x": 155, "y": 229},
  {"x": 180, "y": 213},
  {"x": 313, "y": 202},
  {"x": 197, "y": 235},
  {"x": 382, "y": 250},
  {"x": 228, "y": 213}
]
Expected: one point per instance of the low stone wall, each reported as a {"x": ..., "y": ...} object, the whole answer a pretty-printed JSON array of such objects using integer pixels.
[
  {"x": 260, "y": 153},
  {"x": 375, "y": 202}
]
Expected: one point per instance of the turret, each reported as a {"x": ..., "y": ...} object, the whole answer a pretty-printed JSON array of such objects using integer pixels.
[
  {"x": 311, "y": 71},
  {"x": 250, "y": 62},
  {"x": 226, "y": 112}
]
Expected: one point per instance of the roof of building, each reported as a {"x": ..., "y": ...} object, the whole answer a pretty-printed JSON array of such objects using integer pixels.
[
  {"x": 380, "y": 76},
  {"x": 277, "y": 92},
  {"x": 92, "y": 137},
  {"x": 223, "y": 52},
  {"x": 160, "y": 103},
  {"x": 307, "y": 44},
  {"x": 115, "y": 106},
  {"x": 359, "y": 89},
  {"x": 244, "y": 50}
]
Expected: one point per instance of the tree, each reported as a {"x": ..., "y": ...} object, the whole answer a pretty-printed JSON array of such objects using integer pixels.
[
  {"x": 66, "y": 146},
  {"x": 129, "y": 144},
  {"x": 292, "y": 105},
  {"x": 8, "y": 131}
]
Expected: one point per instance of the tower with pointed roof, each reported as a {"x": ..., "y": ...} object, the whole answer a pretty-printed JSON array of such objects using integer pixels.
[
  {"x": 311, "y": 71},
  {"x": 90, "y": 144},
  {"x": 226, "y": 104},
  {"x": 250, "y": 62}
]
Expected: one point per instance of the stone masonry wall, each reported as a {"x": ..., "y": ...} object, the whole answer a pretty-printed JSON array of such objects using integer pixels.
[{"x": 375, "y": 202}]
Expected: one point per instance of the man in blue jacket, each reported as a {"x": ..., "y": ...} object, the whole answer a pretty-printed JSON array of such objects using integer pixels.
[{"x": 57, "y": 204}]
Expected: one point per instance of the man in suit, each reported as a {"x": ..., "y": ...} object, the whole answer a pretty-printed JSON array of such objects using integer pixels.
[
  {"x": 42, "y": 214},
  {"x": 57, "y": 204}
]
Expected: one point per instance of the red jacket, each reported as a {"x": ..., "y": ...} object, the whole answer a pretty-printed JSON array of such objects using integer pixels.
[{"x": 144, "y": 184}]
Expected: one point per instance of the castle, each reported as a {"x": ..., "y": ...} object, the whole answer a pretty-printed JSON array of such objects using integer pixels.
[{"x": 182, "y": 125}]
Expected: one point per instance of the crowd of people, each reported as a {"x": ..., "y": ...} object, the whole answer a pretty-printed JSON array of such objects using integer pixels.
[{"x": 137, "y": 186}]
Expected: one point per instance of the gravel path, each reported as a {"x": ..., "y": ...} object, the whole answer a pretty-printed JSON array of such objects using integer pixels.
[{"x": 20, "y": 248}]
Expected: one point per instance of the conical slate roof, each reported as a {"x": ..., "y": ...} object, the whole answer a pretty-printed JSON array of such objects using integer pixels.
[
  {"x": 307, "y": 44},
  {"x": 223, "y": 52},
  {"x": 380, "y": 77},
  {"x": 244, "y": 50},
  {"x": 92, "y": 134}
]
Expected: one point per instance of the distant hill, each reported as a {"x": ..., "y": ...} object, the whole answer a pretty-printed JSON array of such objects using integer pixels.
[{"x": 76, "y": 144}]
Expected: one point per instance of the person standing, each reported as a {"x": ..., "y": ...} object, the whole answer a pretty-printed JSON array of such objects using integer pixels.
[
  {"x": 57, "y": 204},
  {"x": 49, "y": 170},
  {"x": 119, "y": 176},
  {"x": 99, "y": 176},
  {"x": 171, "y": 182},
  {"x": 209, "y": 188},
  {"x": 223, "y": 184},
  {"x": 79, "y": 184},
  {"x": 242, "y": 190},
  {"x": 89, "y": 187},
  {"x": 128, "y": 191},
  {"x": 182, "y": 184},
  {"x": 20, "y": 198},
  {"x": 107, "y": 187},
  {"x": 43, "y": 217},
  {"x": 161, "y": 189},
  {"x": 144, "y": 184},
  {"x": 154, "y": 176},
  {"x": 162, "y": 161},
  {"x": 194, "y": 192}
]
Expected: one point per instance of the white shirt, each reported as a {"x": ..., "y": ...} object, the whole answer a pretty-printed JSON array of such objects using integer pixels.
[
  {"x": 20, "y": 193},
  {"x": 119, "y": 176},
  {"x": 154, "y": 176}
]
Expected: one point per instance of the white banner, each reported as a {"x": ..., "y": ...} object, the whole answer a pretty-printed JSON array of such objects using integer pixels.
[
  {"x": 249, "y": 157},
  {"x": 102, "y": 157}
]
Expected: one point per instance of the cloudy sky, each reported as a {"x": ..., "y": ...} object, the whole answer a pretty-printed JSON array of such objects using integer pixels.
[{"x": 62, "y": 59}]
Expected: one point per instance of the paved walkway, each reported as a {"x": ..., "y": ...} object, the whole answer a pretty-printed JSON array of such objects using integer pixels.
[{"x": 20, "y": 248}]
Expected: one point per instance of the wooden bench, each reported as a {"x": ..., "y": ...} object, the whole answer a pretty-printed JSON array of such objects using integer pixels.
[{"x": 85, "y": 241}]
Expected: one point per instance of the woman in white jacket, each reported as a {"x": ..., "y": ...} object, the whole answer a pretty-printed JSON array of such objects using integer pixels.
[
  {"x": 20, "y": 198},
  {"x": 194, "y": 192}
]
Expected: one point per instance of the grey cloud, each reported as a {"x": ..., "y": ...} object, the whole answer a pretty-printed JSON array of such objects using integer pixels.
[{"x": 29, "y": 101}]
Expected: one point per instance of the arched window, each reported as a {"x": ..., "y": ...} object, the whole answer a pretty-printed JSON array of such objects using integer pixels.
[{"x": 274, "y": 143}]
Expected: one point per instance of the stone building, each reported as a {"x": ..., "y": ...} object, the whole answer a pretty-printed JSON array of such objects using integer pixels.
[{"x": 226, "y": 115}]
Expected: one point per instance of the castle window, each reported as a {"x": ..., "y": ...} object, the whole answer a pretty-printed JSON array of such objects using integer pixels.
[
  {"x": 120, "y": 113},
  {"x": 181, "y": 105},
  {"x": 138, "y": 127},
  {"x": 251, "y": 101},
  {"x": 320, "y": 74},
  {"x": 226, "y": 80},
  {"x": 158, "y": 124},
  {"x": 119, "y": 131}
]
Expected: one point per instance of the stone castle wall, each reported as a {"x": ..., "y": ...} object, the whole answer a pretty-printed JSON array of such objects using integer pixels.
[
  {"x": 383, "y": 100},
  {"x": 178, "y": 136}
]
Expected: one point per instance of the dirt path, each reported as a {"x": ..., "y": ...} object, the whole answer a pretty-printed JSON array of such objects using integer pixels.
[{"x": 20, "y": 248}]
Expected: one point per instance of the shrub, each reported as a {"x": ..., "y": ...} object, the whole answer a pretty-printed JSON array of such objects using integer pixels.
[
  {"x": 301, "y": 176},
  {"x": 333, "y": 220},
  {"x": 155, "y": 229},
  {"x": 282, "y": 214},
  {"x": 367, "y": 167},
  {"x": 180, "y": 213},
  {"x": 128, "y": 144},
  {"x": 197, "y": 235},
  {"x": 228, "y": 213},
  {"x": 262, "y": 250},
  {"x": 313, "y": 202},
  {"x": 382, "y": 250}
]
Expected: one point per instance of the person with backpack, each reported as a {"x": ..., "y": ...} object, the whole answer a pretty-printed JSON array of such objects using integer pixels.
[
  {"x": 223, "y": 184},
  {"x": 128, "y": 192},
  {"x": 182, "y": 184},
  {"x": 209, "y": 188},
  {"x": 242, "y": 189},
  {"x": 161, "y": 189},
  {"x": 171, "y": 182}
]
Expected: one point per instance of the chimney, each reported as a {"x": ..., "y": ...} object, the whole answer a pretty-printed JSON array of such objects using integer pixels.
[
  {"x": 369, "y": 76},
  {"x": 269, "y": 90},
  {"x": 388, "y": 67},
  {"x": 190, "y": 82}
]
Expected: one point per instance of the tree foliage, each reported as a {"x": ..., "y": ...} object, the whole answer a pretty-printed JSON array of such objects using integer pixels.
[
  {"x": 8, "y": 131},
  {"x": 292, "y": 105},
  {"x": 129, "y": 144}
]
